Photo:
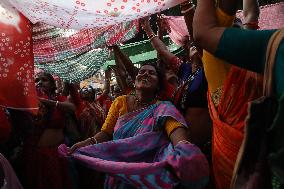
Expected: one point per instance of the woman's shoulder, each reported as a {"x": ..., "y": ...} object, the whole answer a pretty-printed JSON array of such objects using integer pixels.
[
  {"x": 120, "y": 101},
  {"x": 120, "y": 98}
]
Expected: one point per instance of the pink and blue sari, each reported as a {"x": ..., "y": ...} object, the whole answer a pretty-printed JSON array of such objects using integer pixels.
[{"x": 142, "y": 156}]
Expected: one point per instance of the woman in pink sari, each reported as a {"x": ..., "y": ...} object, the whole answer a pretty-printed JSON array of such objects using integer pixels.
[{"x": 143, "y": 142}]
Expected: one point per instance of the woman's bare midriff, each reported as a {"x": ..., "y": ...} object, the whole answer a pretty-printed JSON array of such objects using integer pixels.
[
  {"x": 200, "y": 128},
  {"x": 51, "y": 137}
]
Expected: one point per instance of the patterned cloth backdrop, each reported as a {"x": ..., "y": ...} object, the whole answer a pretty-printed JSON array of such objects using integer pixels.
[
  {"x": 77, "y": 55},
  {"x": 271, "y": 17},
  {"x": 80, "y": 14},
  {"x": 16, "y": 60}
]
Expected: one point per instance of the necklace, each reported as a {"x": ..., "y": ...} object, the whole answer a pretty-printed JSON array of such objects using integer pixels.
[{"x": 142, "y": 104}]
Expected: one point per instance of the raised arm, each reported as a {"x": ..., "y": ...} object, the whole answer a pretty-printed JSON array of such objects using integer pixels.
[
  {"x": 106, "y": 89},
  {"x": 65, "y": 106},
  {"x": 126, "y": 62},
  {"x": 206, "y": 32},
  {"x": 156, "y": 43},
  {"x": 120, "y": 77},
  {"x": 74, "y": 96},
  {"x": 251, "y": 14},
  {"x": 188, "y": 9}
]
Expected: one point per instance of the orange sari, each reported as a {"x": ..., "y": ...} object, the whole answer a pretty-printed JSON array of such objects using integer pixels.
[{"x": 240, "y": 87}]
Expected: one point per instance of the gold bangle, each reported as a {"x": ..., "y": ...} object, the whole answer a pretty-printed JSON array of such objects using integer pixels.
[{"x": 187, "y": 10}]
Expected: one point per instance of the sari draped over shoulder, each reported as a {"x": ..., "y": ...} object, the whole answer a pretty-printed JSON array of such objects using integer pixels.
[
  {"x": 142, "y": 156},
  {"x": 240, "y": 87}
]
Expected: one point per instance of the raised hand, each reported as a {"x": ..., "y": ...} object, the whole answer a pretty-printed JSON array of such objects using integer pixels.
[{"x": 145, "y": 23}]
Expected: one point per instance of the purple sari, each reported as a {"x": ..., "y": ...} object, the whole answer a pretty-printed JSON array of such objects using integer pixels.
[{"x": 142, "y": 156}]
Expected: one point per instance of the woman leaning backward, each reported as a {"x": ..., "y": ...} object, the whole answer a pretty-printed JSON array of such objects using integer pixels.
[{"x": 143, "y": 142}]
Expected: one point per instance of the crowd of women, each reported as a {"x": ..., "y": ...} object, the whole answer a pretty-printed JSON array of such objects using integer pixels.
[{"x": 210, "y": 119}]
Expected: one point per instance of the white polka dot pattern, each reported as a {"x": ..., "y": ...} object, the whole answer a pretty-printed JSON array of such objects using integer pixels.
[
  {"x": 16, "y": 60},
  {"x": 79, "y": 14}
]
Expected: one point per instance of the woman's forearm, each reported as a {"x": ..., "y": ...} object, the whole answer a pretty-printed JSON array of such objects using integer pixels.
[
  {"x": 106, "y": 89},
  {"x": 63, "y": 106},
  {"x": 125, "y": 60},
  {"x": 157, "y": 44},
  {"x": 102, "y": 137},
  {"x": 188, "y": 9},
  {"x": 178, "y": 135},
  {"x": 251, "y": 13}
]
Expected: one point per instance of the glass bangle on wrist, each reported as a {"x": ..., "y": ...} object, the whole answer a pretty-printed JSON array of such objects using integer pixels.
[
  {"x": 189, "y": 9},
  {"x": 151, "y": 35},
  {"x": 93, "y": 140}
]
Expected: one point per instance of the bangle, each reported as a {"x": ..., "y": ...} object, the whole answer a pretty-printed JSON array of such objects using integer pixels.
[
  {"x": 186, "y": 3},
  {"x": 187, "y": 10},
  {"x": 253, "y": 25},
  {"x": 56, "y": 104},
  {"x": 184, "y": 142},
  {"x": 151, "y": 38},
  {"x": 93, "y": 140},
  {"x": 151, "y": 35}
]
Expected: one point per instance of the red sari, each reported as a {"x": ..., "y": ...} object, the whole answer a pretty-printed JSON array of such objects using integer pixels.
[
  {"x": 43, "y": 168},
  {"x": 91, "y": 119},
  {"x": 240, "y": 87}
]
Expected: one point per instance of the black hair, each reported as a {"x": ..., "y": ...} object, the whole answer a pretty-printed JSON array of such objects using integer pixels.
[
  {"x": 50, "y": 79},
  {"x": 160, "y": 74}
]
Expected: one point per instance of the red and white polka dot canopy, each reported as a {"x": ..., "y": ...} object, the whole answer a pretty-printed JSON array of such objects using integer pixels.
[{"x": 79, "y": 14}]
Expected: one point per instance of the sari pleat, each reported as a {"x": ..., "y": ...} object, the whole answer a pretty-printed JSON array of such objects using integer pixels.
[{"x": 240, "y": 87}]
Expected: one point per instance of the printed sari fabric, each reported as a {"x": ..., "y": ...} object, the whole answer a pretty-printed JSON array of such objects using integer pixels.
[
  {"x": 142, "y": 156},
  {"x": 91, "y": 119},
  {"x": 240, "y": 87}
]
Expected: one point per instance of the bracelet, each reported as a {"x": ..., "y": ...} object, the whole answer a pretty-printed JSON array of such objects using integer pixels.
[
  {"x": 151, "y": 35},
  {"x": 187, "y": 10},
  {"x": 151, "y": 38},
  {"x": 184, "y": 142},
  {"x": 186, "y": 3},
  {"x": 253, "y": 25},
  {"x": 93, "y": 140},
  {"x": 56, "y": 104}
]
